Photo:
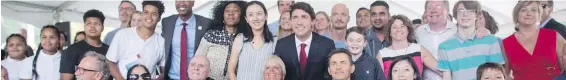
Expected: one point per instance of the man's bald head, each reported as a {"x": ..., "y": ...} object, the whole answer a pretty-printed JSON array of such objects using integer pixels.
[{"x": 340, "y": 16}]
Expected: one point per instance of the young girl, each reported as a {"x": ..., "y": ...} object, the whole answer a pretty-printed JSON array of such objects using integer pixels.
[
  {"x": 16, "y": 48},
  {"x": 490, "y": 71},
  {"x": 45, "y": 64}
]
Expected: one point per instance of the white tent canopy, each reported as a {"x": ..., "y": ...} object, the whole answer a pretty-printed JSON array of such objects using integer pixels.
[{"x": 40, "y": 13}]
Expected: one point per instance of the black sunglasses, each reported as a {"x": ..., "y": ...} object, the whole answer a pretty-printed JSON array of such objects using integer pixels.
[{"x": 144, "y": 76}]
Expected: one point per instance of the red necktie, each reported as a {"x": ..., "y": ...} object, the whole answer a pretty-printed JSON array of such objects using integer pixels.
[
  {"x": 303, "y": 61},
  {"x": 184, "y": 66}
]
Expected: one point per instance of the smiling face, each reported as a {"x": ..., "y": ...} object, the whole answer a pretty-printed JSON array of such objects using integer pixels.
[
  {"x": 399, "y": 31},
  {"x": 436, "y": 12},
  {"x": 150, "y": 16},
  {"x": 529, "y": 14},
  {"x": 355, "y": 42},
  {"x": 466, "y": 17},
  {"x": 340, "y": 16},
  {"x": 255, "y": 16},
  {"x": 403, "y": 71},
  {"x": 136, "y": 20},
  {"x": 184, "y": 7},
  {"x": 272, "y": 71},
  {"x": 379, "y": 16},
  {"x": 232, "y": 14},
  {"x": 340, "y": 67},
  {"x": 363, "y": 18},
  {"x": 285, "y": 20},
  {"x": 16, "y": 47},
  {"x": 321, "y": 22},
  {"x": 302, "y": 22},
  {"x": 49, "y": 40}
]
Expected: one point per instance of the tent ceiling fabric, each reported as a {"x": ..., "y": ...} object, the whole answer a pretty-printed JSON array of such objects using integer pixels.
[{"x": 499, "y": 9}]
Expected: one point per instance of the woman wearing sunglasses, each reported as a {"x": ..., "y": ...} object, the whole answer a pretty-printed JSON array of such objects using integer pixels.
[{"x": 138, "y": 72}]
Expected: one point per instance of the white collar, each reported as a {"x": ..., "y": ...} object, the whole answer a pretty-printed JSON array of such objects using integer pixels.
[
  {"x": 449, "y": 25},
  {"x": 13, "y": 60},
  {"x": 57, "y": 54},
  {"x": 308, "y": 41}
]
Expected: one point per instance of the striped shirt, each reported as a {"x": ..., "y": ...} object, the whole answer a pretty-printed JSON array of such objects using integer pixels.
[{"x": 463, "y": 57}]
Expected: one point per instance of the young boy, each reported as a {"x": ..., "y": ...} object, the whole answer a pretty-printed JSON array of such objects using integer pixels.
[{"x": 490, "y": 71}]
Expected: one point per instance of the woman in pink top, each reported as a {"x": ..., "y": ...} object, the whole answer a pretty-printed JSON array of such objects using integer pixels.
[{"x": 401, "y": 35}]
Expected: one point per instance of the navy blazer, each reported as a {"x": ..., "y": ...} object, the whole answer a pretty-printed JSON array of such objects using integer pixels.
[
  {"x": 552, "y": 24},
  {"x": 317, "y": 61}
]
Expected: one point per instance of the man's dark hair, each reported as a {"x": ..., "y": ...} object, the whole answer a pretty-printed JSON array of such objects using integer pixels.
[
  {"x": 126, "y": 1},
  {"x": 360, "y": 9},
  {"x": 380, "y": 3},
  {"x": 340, "y": 51},
  {"x": 94, "y": 13},
  {"x": 356, "y": 29},
  {"x": 279, "y": 1},
  {"x": 303, "y": 6},
  {"x": 158, "y": 4}
]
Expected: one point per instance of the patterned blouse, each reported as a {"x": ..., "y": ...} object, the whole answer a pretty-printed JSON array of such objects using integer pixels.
[{"x": 215, "y": 44}]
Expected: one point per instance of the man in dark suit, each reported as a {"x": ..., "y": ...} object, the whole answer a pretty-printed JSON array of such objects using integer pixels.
[
  {"x": 182, "y": 33},
  {"x": 304, "y": 52},
  {"x": 548, "y": 22}
]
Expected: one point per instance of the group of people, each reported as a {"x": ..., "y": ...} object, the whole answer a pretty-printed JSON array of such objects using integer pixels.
[{"x": 239, "y": 44}]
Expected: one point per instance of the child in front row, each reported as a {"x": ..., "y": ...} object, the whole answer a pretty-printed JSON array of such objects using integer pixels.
[{"x": 490, "y": 71}]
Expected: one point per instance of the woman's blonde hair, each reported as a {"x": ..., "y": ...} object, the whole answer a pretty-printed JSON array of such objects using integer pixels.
[
  {"x": 521, "y": 4},
  {"x": 275, "y": 59}
]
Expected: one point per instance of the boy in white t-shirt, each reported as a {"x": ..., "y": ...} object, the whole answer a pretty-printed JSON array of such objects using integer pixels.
[{"x": 139, "y": 45}]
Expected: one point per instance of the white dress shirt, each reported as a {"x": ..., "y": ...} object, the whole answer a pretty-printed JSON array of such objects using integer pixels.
[
  {"x": 47, "y": 67},
  {"x": 298, "y": 45},
  {"x": 430, "y": 40}
]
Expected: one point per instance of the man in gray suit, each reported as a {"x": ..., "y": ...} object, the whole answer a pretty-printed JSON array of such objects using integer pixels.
[{"x": 182, "y": 33}]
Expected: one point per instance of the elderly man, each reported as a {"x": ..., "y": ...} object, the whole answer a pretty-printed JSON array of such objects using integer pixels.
[
  {"x": 93, "y": 67},
  {"x": 199, "y": 67}
]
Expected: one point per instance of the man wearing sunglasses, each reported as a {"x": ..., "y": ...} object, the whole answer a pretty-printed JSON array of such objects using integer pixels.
[
  {"x": 547, "y": 21},
  {"x": 93, "y": 67}
]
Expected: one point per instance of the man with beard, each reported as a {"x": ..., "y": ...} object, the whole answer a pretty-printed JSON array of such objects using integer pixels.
[
  {"x": 376, "y": 34},
  {"x": 340, "y": 18}
]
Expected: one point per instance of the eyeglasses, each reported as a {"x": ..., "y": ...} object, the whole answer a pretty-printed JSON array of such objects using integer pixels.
[
  {"x": 82, "y": 70},
  {"x": 464, "y": 12},
  {"x": 144, "y": 76}
]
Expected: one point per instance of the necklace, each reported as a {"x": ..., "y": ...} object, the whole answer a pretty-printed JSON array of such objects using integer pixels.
[{"x": 403, "y": 52}]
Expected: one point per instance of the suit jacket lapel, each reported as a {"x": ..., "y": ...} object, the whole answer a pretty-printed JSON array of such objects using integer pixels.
[
  {"x": 294, "y": 56},
  {"x": 169, "y": 31}
]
